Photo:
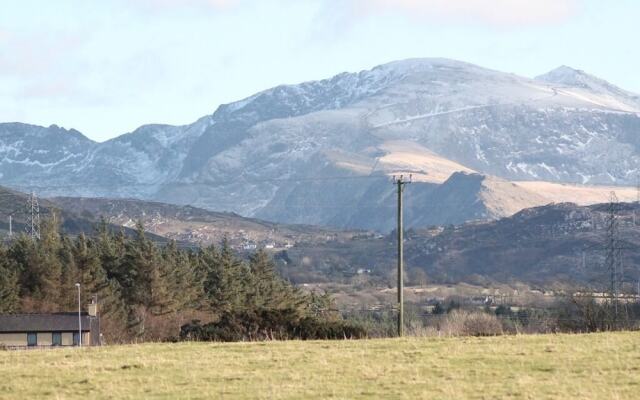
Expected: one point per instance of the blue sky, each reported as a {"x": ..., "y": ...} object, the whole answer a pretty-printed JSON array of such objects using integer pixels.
[{"x": 106, "y": 67}]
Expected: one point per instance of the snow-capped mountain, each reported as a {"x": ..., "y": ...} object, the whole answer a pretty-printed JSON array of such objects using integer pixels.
[
  {"x": 30, "y": 153},
  {"x": 321, "y": 152}
]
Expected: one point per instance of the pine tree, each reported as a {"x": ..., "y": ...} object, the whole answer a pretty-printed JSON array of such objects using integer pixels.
[
  {"x": 110, "y": 249},
  {"x": 95, "y": 282},
  {"x": 185, "y": 283},
  {"x": 9, "y": 287},
  {"x": 69, "y": 276},
  {"x": 39, "y": 267},
  {"x": 146, "y": 275},
  {"x": 162, "y": 300},
  {"x": 20, "y": 253},
  {"x": 267, "y": 289},
  {"x": 94, "y": 278},
  {"x": 226, "y": 279},
  {"x": 47, "y": 262}
]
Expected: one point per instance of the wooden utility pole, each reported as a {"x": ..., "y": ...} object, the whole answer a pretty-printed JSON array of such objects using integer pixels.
[{"x": 400, "y": 182}]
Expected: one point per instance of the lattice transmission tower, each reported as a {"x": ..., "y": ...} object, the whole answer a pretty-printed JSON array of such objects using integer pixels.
[
  {"x": 33, "y": 217},
  {"x": 613, "y": 255}
]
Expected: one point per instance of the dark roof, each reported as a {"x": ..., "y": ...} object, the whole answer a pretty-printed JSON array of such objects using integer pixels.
[{"x": 60, "y": 322}]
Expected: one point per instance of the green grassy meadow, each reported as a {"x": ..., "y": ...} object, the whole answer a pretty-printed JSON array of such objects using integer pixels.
[{"x": 594, "y": 366}]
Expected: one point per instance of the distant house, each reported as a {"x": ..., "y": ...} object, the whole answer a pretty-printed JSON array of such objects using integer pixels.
[
  {"x": 249, "y": 246},
  {"x": 48, "y": 330}
]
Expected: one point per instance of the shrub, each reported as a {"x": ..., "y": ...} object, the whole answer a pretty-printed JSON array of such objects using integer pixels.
[
  {"x": 467, "y": 323},
  {"x": 418, "y": 329},
  {"x": 438, "y": 309},
  {"x": 375, "y": 324},
  {"x": 311, "y": 328},
  {"x": 270, "y": 325},
  {"x": 502, "y": 310}
]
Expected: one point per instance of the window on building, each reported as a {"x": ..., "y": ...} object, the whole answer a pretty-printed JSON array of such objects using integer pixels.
[
  {"x": 56, "y": 339},
  {"x": 76, "y": 339},
  {"x": 32, "y": 339}
]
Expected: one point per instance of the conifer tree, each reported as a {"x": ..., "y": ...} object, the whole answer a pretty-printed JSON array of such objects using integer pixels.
[
  {"x": 95, "y": 280},
  {"x": 226, "y": 279},
  {"x": 267, "y": 288},
  {"x": 185, "y": 284},
  {"x": 39, "y": 267},
  {"x": 146, "y": 275},
  {"x": 110, "y": 249},
  {"x": 9, "y": 287},
  {"x": 20, "y": 253},
  {"x": 69, "y": 276},
  {"x": 47, "y": 262}
]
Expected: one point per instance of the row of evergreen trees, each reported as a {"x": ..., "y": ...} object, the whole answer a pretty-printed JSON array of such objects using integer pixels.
[{"x": 146, "y": 291}]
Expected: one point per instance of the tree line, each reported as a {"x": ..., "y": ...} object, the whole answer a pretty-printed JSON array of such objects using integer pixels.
[{"x": 148, "y": 291}]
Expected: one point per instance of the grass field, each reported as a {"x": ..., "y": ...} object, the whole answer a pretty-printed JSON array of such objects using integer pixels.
[{"x": 596, "y": 366}]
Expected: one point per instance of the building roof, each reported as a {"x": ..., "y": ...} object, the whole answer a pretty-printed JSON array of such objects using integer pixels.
[{"x": 59, "y": 322}]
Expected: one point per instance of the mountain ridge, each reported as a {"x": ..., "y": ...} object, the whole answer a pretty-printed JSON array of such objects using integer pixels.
[
  {"x": 549, "y": 76},
  {"x": 258, "y": 156}
]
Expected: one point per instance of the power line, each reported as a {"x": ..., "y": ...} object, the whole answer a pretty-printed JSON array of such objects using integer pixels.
[
  {"x": 322, "y": 178},
  {"x": 337, "y": 206},
  {"x": 248, "y": 180}
]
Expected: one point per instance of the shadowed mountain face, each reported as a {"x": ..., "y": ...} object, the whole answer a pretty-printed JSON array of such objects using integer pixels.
[{"x": 321, "y": 152}]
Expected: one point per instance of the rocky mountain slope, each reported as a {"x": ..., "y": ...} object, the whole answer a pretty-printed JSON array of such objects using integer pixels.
[{"x": 321, "y": 152}]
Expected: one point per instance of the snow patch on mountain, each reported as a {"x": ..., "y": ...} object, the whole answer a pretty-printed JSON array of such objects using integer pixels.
[{"x": 588, "y": 88}]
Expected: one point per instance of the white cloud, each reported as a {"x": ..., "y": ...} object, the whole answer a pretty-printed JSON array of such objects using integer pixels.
[
  {"x": 494, "y": 12},
  {"x": 36, "y": 53}
]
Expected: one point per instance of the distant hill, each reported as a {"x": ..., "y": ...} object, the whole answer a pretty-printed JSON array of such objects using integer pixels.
[
  {"x": 198, "y": 226},
  {"x": 189, "y": 226},
  {"x": 545, "y": 245},
  {"x": 15, "y": 204},
  {"x": 548, "y": 245}
]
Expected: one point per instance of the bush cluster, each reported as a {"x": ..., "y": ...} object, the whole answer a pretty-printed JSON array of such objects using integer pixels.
[{"x": 270, "y": 325}]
